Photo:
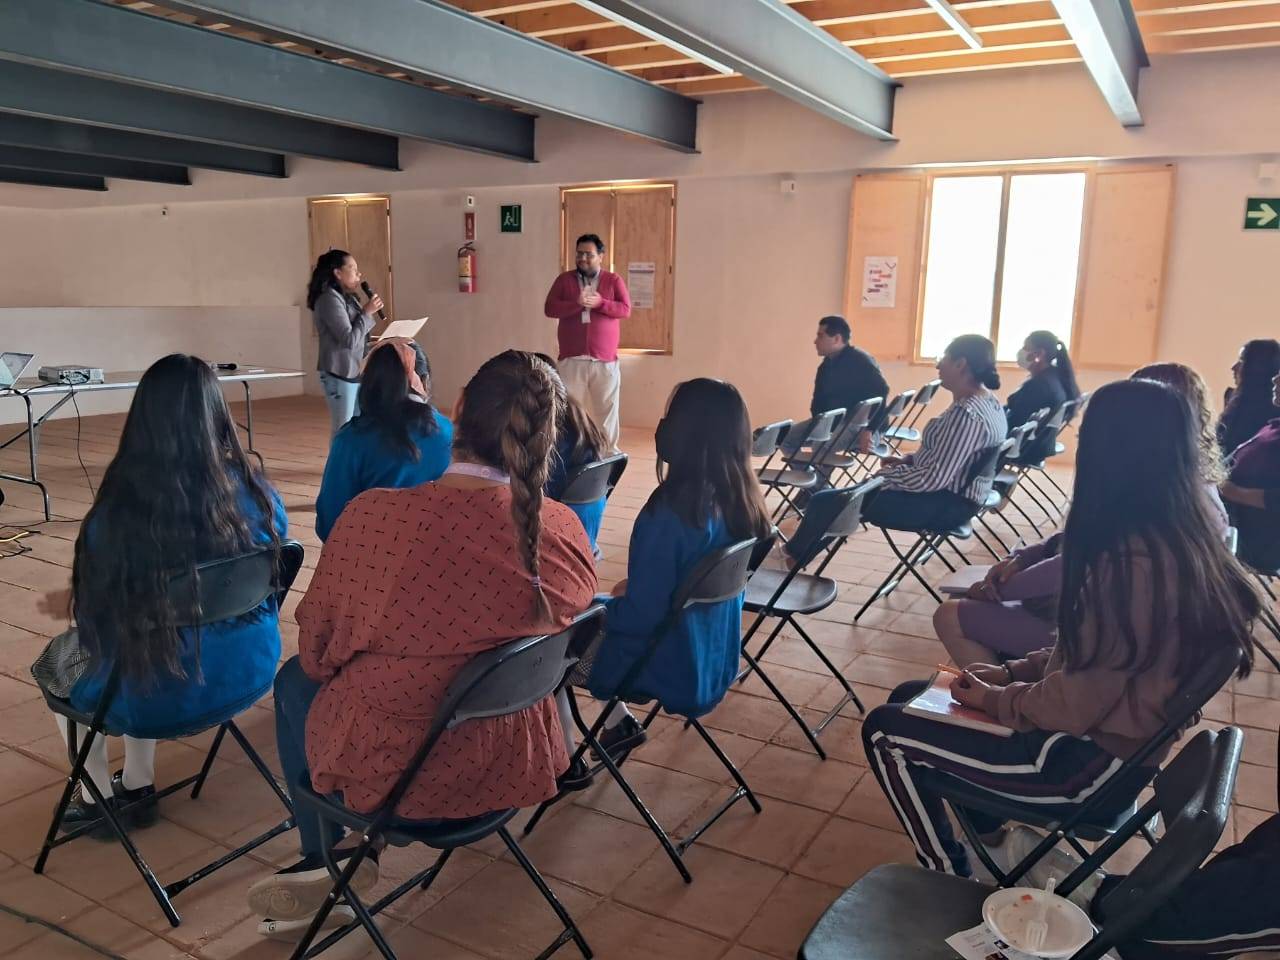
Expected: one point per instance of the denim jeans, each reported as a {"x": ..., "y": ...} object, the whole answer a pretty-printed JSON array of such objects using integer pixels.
[
  {"x": 294, "y": 691},
  {"x": 340, "y": 396}
]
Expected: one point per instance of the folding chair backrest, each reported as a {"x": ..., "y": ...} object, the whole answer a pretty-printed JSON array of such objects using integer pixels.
[
  {"x": 986, "y": 461},
  {"x": 822, "y": 426},
  {"x": 720, "y": 575},
  {"x": 766, "y": 440},
  {"x": 231, "y": 587},
  {"x": 924, "y": 396},
  {"x": 853, "y": 424},
  {"x": 510, "y": 678},
  {"x": 760, "y": 552},
  {"x": 1020, "y": 435},
  {"x": 1194, "y": 796},
  {"x": 591, "y": 481},
  {"x": 898, "y": 405},
  {"x": 830, "y": 515},
  {"x": 496, "y": 683}
]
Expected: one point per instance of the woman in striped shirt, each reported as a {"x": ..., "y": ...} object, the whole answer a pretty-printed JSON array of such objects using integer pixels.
[{"x": 931, "y": 488}]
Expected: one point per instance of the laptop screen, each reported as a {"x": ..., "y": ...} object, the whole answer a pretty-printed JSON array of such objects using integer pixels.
[{"x": 11, "y": 367}]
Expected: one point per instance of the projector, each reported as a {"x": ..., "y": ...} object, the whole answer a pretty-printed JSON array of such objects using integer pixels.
[{"x": 72, "y": 374}]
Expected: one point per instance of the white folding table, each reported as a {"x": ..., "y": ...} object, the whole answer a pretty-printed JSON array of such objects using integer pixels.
[{"x": 30, "y": 389}]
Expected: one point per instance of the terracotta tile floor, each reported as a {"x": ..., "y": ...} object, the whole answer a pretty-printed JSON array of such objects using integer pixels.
[{"x": 760, "y": 881}]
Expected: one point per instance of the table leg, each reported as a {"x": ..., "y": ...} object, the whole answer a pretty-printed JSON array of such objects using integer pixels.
[{"x": 32, "y": 433}]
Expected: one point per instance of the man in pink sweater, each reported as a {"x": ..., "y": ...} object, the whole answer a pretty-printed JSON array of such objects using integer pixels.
[{"x": 589, "y": 301}]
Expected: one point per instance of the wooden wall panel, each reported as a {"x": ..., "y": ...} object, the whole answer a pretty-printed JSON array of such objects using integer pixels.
[
  {"x": 1122, "y": 279},
  {"x": 886, "y": 213}
]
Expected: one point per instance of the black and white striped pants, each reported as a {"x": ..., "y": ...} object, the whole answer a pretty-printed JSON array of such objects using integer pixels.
[{"x": 914, "y": 758}]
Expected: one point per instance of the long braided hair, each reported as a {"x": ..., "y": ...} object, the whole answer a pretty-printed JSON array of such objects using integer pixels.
[{"x": 508, "y": 421}]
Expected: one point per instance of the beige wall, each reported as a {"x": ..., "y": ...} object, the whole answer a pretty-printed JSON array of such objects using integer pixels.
[{"x": 755, "y": 269}]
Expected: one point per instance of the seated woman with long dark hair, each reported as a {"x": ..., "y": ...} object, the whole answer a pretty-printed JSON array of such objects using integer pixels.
[
  {"x": 1150, "y": 594},
  {"x": 579, "y": 441},
  {"x": 412, "y": 584},
  {"x": 1252, "y": 493},
  {"x": 179, "y": 491},
  {"x": 1051, "y": 380},
  {"x": 397, "y": 440},
  {"x": 930, "y": 489},
  {"x": 1249, "y": 402},
  {"x": 707, "y": 497},
  {"x": 1014, "y": 609}
]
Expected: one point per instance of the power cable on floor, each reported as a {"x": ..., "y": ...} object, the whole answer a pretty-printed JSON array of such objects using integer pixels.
[{"x": 28, "y": 918}]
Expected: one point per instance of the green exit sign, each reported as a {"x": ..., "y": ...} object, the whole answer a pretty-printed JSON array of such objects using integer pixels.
[
  {"x": 510, "y": 218},
  {"x": 1262, "y": 213}
]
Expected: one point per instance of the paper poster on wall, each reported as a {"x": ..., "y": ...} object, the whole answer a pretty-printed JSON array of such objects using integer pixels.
[
  {"x": 640, "y": 284},
  {"x": 879, "y": 281}
]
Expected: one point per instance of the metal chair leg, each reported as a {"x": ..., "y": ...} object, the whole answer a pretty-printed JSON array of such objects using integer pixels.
[{"x": 570, "y": 926}]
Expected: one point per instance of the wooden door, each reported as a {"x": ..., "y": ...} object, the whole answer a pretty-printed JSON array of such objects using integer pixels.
[
  {"x": 586, "y": 211},
  {"x": 643, "y": 228},
  {"x": 362, "y": 227}
]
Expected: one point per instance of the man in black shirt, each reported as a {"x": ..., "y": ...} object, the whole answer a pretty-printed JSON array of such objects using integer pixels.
[
  {"x": 847, "y": 375},
  {"x": 845, "y": 378}
]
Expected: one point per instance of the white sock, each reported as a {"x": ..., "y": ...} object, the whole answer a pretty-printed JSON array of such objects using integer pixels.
[
  {"x": 566, "y": 719},
  {"x": 96, "y": 763},
  {"x": 616, "y": 716},
  {"x": 139, "y": 763}
]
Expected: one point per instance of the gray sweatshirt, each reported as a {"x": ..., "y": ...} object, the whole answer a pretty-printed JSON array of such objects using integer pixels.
[{"x": 343, "y": 328}]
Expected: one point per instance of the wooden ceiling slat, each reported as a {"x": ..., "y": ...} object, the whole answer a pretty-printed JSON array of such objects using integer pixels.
[
  {"x": 1210, "y": 21},
  {"x": 1225, "y": 40}
]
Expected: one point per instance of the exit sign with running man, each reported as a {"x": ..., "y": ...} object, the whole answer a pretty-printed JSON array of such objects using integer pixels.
[{"x": 1262, "y": 213}]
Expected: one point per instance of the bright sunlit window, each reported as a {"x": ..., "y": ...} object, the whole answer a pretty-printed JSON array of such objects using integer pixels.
[{"x": 1015, "y": 234}]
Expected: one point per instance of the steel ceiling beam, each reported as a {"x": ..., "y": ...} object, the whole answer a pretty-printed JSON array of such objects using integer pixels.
[
  {"x": 41, "y": 178},
  {"x": 53, "y": 161},
  {"x": 774, "y": 45},
  {"x": 1107, "y": 36},
  {"x": 437, "y": 40},
  {"x": 115, "y": 43},
  {"x": 54, "y": 94},
  {"x": 44, "y": 134}
]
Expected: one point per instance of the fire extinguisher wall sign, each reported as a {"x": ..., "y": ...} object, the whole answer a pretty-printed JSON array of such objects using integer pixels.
[{"x": 467, "y": 268}]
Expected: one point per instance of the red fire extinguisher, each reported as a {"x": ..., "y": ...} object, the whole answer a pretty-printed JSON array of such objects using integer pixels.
[{"x": 467, "y": 268}]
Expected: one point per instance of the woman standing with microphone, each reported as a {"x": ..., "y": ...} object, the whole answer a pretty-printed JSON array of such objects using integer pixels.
[{"x": 343, "y": 326}]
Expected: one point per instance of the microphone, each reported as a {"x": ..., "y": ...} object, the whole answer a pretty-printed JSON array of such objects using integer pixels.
[{"x": 368, "y": 292}]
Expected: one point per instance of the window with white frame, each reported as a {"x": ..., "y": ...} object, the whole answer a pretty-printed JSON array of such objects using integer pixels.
[{"x": 1003, "y": 257}]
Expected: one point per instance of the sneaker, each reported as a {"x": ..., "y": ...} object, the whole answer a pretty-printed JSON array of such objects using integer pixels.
[
  {"x": 621, "y": 738},
  {"x": 1057, "y": 863},
  {"x": 577, "y": 777},
  {"x": 145, "y": 814},
  {"x": 291, "y": 931},
  {"x": 297, "y": 892}
]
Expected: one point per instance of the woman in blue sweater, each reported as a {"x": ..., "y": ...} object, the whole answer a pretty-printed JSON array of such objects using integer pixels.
[
  {"x": 398, "y": 440},
  {"x": 707, "y": 497},
  {"x": 170, "y": 499}
]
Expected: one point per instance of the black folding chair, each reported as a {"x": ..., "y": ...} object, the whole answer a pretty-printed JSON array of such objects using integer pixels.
[
  {"x": 897, "y": 911},
  {"x": 219, "y": 590},
  {"x": 831, "y": 518},
  {"x": 1090, "y": 820},
  {"x": 1008, "y": 477},
  {"x": 891, "y": 416},
  {"x": 591, "y": 481},
  {"x": 843, "y": 459},
  {"x": 908, "y": 430},
  {"x": 719, "y": 576},
  {"x": 766, "y": 440},
  {"x": 928, "y": 542},
  {"x": 799, "y": 473},
  {"x": 1046, "y": 445},
  {"x": 497, "y": 683},
  {"x": 1268, "y": 613}
]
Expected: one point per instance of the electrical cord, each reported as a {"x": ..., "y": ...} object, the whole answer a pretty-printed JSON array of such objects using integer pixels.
[
  {"x": 92, "y": 493},
  {"x": 28, "y": 918}
]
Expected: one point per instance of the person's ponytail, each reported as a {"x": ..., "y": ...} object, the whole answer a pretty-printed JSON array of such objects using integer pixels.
[
  {"x": 1066, "y": 372},
  {"x": 527, "y": 440}
]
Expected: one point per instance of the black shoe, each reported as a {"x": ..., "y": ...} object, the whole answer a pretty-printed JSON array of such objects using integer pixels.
[
  {"x": 577, "y": 777},
  {"x": 80, "y": 812},
  {"x": 147, "y": 812},
  {"x": 621, "y": 738}
]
